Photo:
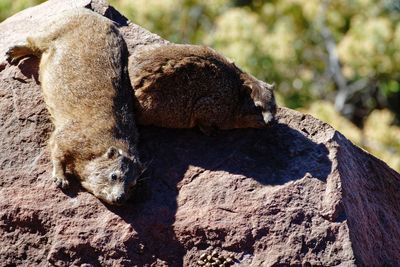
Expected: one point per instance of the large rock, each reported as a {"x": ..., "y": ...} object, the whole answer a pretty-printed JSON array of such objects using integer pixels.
[{"x": 298, "y": 193}]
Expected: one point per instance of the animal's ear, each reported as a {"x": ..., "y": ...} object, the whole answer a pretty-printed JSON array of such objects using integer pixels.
[
  {"x": 112, "y": 152},
  {"x": 271, "y": 86},
  {"x": 248, "y": 83}
]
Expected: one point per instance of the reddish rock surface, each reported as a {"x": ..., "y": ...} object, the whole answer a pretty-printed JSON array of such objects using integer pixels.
[{"x": 298, "y": 193}]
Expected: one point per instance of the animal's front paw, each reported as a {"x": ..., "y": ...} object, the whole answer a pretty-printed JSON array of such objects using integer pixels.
[{"x": 61, "y": 181}]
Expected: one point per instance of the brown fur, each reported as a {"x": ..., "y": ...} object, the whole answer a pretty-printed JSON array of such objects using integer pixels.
[
  {"x": 183, "y": 86},
  {"x": 83, "y": 73}
]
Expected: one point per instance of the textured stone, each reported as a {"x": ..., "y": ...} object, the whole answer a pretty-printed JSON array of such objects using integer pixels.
[{"x": 297, "y": 193}]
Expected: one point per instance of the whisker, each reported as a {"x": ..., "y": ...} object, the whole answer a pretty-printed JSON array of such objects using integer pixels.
[
  {"x": 146, "y": 166},
  {"x": 145, "y": 178}
]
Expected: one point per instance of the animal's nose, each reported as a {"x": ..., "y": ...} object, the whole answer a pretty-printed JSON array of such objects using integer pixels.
[{"x": 120, "y": 199}]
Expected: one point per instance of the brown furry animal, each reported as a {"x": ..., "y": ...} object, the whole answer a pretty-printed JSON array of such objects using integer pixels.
[
  {"x": 83, "y": 73},
  {"x": 183, "y": 86}
]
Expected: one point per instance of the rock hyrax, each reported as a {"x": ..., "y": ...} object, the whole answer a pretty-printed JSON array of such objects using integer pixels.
[
  {"x": 182, "y": 86},
  {"x": 83, "y": 74}
]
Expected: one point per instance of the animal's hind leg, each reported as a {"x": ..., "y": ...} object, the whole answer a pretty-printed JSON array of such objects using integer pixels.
[
  {"x": 58, "y": 159},
  {"x": 17, "y": 52}
]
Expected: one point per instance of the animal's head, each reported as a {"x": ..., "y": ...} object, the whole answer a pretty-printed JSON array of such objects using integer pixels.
[
  {"x": 112, "y": 176},
  {"x": 257, "y": 107}
]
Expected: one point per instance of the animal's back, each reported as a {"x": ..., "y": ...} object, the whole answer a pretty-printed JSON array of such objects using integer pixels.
[
  {"x": 79, "y": 72},
  {"x": 172, "y": 82}
]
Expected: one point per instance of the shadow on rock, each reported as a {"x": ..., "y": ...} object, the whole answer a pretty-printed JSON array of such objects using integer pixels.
[
  {"x": 270, "y": 156},
  {"x": 151, "y": 213}
]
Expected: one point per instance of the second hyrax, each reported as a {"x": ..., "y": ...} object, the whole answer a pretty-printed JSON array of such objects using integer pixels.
[
  {"x": 183, "y": 86},
  {"x": 83, "y": 74}
]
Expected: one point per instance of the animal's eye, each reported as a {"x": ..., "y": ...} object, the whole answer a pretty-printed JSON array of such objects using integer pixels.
[
  {"x": 114, "y": 176},
  {"x": 260, "y": 108}
]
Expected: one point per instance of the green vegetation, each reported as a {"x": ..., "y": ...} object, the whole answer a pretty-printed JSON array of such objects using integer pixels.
[
  {"x": 338, "y": 59},
  {"x": 9, "y": 7}
]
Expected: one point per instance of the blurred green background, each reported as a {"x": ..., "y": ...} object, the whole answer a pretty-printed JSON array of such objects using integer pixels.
[{"x": 338, "y": 60}]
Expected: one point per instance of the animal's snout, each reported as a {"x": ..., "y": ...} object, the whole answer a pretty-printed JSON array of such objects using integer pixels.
[{"x": 120, "y": 199}]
